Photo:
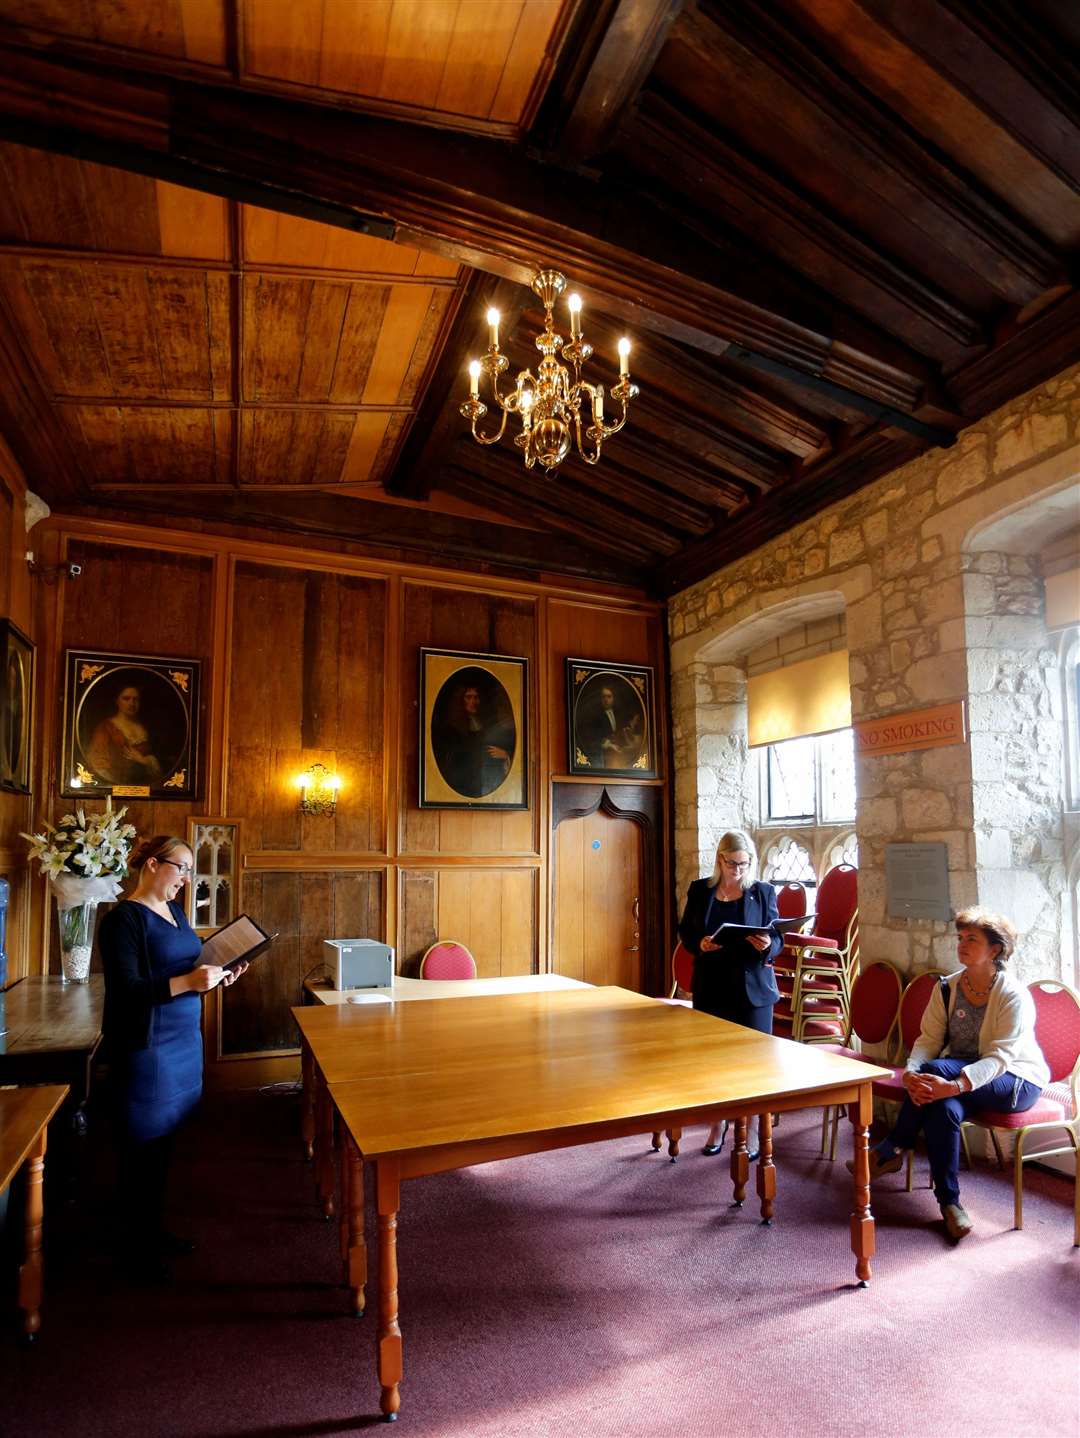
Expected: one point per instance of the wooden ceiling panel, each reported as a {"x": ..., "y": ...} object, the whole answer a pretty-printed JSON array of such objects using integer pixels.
[
  {"x": 180, "y": 29},
  {"x": 77, "y": 205},
  {"x": 122, "y": 331},
  {"x": 835, "y": 230},
  {"x": 270, "y": 238},
  {"x": 293, "y": 447},
  {"x": 334, "y": 342},
  {"x": 475, "y": 59},
  {"x": 148, "y": 446}
]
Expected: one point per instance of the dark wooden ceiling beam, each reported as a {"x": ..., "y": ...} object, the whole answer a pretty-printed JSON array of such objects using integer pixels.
[
  {"x": 474, "y": 199},
  {"x": 740, "y": 36},
  {"x": 737, "y": 189},
  {"x": 867, "y": 458},
  {"x": 692, "y": 377},
  {"x": 559, "y": 492},
  {"x": 518, "y": 497},
  {"x": 606, "y": 62},
  {"x": 966, "y": 48}
]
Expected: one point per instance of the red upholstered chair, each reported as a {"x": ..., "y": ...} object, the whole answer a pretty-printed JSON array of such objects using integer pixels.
[
  {"x": 682, "y": 975},
  {"x": 1057, "y": 1031},
  {"x": 447, "y": 959},
  {"x": 791, "y": 900},
  {"x": 815, "y": 971},
  {"x": 875, "y": 1002},
  {"x": 913, "y": 1002}
]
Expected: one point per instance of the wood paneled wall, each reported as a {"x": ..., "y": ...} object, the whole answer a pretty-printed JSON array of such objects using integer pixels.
[{"x": 313, "y": 656}]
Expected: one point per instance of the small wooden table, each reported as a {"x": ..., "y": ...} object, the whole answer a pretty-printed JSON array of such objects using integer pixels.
[
  {"x": 24, "y": 1119},
  {"x": 53, "y": 1032},
  {"x": 426, "y": 1088}
]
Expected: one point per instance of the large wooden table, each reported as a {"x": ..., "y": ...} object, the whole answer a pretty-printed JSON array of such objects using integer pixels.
[
  {"x": 24, "y": 1119},
  {"x": 428, "y": 1087}
]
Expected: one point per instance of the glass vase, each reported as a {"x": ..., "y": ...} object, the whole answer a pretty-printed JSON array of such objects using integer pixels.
[{"x": 76, "y": 941}]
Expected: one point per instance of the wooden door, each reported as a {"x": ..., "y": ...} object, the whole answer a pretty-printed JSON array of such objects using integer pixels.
[{"x": 598, "y": 900}]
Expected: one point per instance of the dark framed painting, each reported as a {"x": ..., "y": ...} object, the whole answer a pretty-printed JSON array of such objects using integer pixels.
[
  {"x": 474, "y": 751},
  {"x": 609, "y": 710},
  {"x": 131, "y": 726},
  {"x": 16, "y": 708}
]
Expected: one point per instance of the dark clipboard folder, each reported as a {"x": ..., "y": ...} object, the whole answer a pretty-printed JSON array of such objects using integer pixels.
[
  {"x": 236, "y": 943},
  {"x": 743, "y": 931}
]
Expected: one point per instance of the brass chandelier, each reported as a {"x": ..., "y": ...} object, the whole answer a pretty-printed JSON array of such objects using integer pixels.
[{"x": 549, "y": 405}]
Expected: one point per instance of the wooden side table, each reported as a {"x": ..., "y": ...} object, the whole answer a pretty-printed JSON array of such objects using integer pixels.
[{"x": 24, "y": 1120}]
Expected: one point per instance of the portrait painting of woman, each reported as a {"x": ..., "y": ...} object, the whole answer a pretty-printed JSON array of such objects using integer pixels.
[{"x": 130, "y": 725}]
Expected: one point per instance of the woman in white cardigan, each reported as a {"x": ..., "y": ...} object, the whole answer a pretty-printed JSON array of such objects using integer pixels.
[{"x": 977, "y": 1050}]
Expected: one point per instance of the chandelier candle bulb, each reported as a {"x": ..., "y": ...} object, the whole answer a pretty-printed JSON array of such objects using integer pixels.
[
  {"x": 624, "y": 357},
  {"x": 474, "y": 378},
  {"x": 493, "y": 327},
  {"x": 575, "y": 316}
]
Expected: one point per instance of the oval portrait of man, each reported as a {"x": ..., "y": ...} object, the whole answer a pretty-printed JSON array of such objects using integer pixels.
[
  {"x": 473, "y": 733},
  {"x": 132, "y": 727},
  {"x": 610, "y": 723}
]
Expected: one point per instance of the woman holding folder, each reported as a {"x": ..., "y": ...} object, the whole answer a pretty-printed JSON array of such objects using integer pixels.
[
  {"x": 733, "y": 974},
  {"x": 152, "y": 1032}
]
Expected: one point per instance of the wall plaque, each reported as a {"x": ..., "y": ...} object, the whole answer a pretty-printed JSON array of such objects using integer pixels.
[
  {"x": 917, "y": 729},
  {"x": 917, "y": 881}
]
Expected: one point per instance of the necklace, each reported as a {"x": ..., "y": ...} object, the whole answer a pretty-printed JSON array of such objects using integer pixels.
[{"x": 973, "y": 993}]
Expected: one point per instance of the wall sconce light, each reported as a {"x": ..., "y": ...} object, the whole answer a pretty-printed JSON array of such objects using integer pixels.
[{"x": 318, "y": 790}]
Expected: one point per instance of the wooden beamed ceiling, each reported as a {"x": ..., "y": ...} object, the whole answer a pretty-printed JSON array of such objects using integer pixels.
[{"x": 245, "y": 253}]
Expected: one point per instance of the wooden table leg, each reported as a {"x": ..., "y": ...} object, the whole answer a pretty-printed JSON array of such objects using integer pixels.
[
  {"x": 766, "y": 1173},
  {"x": 673, "y": 1137},
  {"x": 862, "y": 1220},
  {"x": 388, "y": 1201},
  {"x": 740, "y": 1161},
  {"x": 30, "y": 1272},
  {"x": 324, "y": 1152},
  {"x": 656, "y": 1142},
  {"x": 352, "y": 1167},
  {"x": 307, "y": 1111}
]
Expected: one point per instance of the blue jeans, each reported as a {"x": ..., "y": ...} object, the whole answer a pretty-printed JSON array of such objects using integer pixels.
[{"x": 940, "y": 1121}]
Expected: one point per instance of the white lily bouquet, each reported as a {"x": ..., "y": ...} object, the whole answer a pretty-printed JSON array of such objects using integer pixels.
[{"x": 84, "y": 857}]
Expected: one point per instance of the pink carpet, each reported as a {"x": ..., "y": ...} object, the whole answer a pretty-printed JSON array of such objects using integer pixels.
[{"x": 600, "y": 1291}]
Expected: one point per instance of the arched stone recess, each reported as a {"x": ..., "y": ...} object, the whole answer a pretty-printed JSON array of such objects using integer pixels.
[
  {"x": 1017, "y": 711},
  {"x": 715, "y": 781}
]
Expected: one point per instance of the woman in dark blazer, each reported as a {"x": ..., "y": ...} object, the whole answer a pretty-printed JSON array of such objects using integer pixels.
[{"x": 733, "y": 978}]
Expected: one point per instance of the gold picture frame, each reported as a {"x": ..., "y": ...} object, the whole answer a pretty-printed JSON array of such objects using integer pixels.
[
  {"x": 474, "y": 733},
  {"x": 610, "y": 719},
  {"x": 131, "y": 726},
  {"x": 16, "y": 709}
]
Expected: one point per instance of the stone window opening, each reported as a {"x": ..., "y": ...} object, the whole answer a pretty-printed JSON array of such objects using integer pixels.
[
  {"x": 809, "y": 780},
  {"x": 787, "y": 861}
]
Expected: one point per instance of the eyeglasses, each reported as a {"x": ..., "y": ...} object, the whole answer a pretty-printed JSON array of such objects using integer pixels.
[
  {"x": 736, "y": 864},
  {"x": 183, "y": 869}
]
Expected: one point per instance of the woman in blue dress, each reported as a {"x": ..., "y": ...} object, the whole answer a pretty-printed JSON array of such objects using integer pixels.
[
  {"x": 153, "y": 1037},
  {"x": 733, "y": 977}
]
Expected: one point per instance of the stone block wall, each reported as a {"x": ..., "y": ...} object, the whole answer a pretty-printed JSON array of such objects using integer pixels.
[{"x": 929, "y": 617}]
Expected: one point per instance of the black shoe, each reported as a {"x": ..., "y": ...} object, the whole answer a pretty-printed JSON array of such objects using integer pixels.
[
  {"x": 713, "y": 1148},
  {"x": 171, "y": 1245}
]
